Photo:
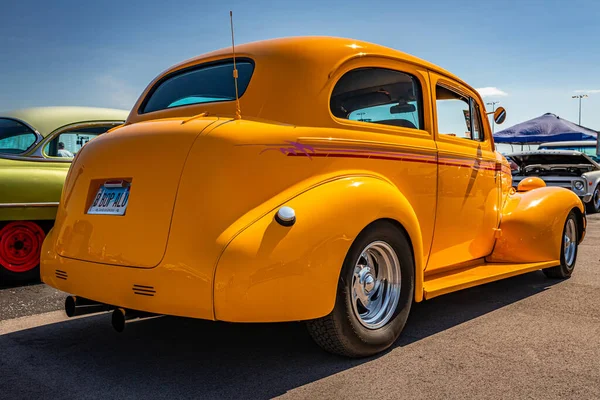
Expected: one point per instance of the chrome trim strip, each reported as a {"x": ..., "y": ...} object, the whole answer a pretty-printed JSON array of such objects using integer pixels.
[
  {"x": 35, "y": 159},
  {"x": 21, "y": 205}
]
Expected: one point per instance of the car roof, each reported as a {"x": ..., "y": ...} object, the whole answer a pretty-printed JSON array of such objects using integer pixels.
[
  {"x": 301, "y": 65},
  {"x": 47, "y": 119},
  {"x": 591, "y": 143},
  {"x": 329, "y": 50}
]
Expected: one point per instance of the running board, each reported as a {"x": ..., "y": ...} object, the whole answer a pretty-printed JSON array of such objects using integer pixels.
[{"x": 452, "y": 281}]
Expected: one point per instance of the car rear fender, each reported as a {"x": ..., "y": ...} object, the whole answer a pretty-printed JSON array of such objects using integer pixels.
[{"x": 269, "y": 272}]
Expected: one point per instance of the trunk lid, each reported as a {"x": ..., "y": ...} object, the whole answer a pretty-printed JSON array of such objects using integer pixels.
[{"x": 150, "y": 157}]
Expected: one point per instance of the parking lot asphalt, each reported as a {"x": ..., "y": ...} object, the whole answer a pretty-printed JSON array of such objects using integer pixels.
[{"x": 526, "y": 337}]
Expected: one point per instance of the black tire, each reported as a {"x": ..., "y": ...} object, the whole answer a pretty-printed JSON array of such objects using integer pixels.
[
  {"x": 341, "y": 332},
  {"x": 565, "y": 269},
  {"x": 593, "y": 206}
]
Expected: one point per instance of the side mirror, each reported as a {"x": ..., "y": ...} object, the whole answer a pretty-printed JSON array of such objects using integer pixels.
[{"x": 499, "y": 115}]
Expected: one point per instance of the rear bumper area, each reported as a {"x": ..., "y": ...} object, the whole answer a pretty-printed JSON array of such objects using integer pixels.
[{"x": 166, "y": 289}]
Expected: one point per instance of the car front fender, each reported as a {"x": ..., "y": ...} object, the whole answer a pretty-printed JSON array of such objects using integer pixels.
[
  {"x": 269, "y": 272},
  {"x": 532, "y": 225},
  {"x": 593, "y": 180}
]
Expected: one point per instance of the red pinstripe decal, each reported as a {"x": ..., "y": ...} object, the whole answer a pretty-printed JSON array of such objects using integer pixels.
[{"x": 295, "y": 149}]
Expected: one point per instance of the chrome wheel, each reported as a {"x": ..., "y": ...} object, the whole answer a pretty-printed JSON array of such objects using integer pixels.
[
  {"x": 570, "y": 242},
  {"x": 376, "y": 285},
  {"x": 596, "y": 199}
]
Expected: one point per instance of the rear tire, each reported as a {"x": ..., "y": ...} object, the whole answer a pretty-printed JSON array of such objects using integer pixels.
[
  {"x": 593, "y": 206},
  {"x": 20, "y": 247},
  {"x": 374, "y": 294},
  {"x": 568, "y": 252}
]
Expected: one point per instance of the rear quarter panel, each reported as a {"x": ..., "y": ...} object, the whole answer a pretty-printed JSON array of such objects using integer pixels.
[{"x": 242, "y": 170}]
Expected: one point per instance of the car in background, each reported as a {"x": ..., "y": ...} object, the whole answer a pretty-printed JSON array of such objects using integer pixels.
[
  {"x": 588, "y": 147},
  {"x": 570, "y": 169},
  {"x": 37, "y": 147}
]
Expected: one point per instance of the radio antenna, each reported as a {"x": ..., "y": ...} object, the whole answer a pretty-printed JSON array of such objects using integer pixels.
[{"x": 238, "y": 111}]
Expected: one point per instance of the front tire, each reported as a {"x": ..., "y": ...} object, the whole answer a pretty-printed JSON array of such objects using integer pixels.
[
  {"x": 593, "y": 206},
  {"x": 568, "y": 252},
  {"x": 374, "y": 294}
]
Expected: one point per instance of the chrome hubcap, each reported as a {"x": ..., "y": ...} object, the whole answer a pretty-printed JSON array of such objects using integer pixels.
[
  {"x": 570, "y": 242},
  {"x": 597, "y": 199},
  {"x": 376, "y": 285}
]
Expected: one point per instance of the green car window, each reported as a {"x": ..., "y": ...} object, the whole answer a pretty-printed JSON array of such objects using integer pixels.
[
  {"x": 15, "y": 138},
  {"x": 69, "y": 142}
]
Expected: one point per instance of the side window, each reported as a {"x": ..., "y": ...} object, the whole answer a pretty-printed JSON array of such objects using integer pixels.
[
  {"x": 68, "y": 143},
  {"x": 457, "y": 115},
  {"x": 379, "y": 96},
  {"x": 15, "y": 138}
]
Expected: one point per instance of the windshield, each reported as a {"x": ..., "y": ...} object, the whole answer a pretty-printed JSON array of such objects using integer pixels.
[
  {"x": 202, "y": 84},
  {"x": 15, "y": 138},
  {"x": 588, "y": 150}
]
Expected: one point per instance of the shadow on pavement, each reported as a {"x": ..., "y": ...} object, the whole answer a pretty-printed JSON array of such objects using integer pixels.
[
  {"x": 184, "y": 358},
  {"x": 15, "y": 284}
]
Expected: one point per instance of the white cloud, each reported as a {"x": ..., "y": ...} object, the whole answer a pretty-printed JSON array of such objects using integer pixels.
[
  {"x": 590, "y": 91},
  {"x": 117, "y": 92},
  {"x": 491, "y": 92}
]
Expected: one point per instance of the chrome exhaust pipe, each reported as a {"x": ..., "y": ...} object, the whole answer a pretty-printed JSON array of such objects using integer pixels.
[
  {"x": 75, "y": 305},
  {"x": 120, "y": 316}
]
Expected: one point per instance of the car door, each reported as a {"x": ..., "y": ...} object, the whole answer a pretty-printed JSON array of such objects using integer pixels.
[{"x": 468, "y": 188}]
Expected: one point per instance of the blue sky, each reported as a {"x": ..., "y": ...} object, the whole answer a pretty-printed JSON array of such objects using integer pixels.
[{"x": 536, "y": 54}]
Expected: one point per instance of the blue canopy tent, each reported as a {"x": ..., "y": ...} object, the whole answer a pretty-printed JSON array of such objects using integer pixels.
[{"x": 546, "y": 128}]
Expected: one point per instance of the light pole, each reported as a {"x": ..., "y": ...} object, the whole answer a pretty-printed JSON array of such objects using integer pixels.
[
  {"x": 493, "y": 104},
  {"x": 579, "y": 96}
]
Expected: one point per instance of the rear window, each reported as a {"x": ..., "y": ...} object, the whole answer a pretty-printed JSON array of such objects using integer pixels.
[
  {"x": 207, "y": 83},
  {"x": 15, "y": 138}
]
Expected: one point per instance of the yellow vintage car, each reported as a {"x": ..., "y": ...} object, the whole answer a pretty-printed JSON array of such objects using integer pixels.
[{"x": 348, "y": 181}]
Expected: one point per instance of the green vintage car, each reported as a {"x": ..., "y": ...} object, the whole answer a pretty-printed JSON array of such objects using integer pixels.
[{"x": 37, "y": 146}]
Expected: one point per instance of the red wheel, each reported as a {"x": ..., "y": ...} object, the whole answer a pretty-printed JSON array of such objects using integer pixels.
[{"x": 20, "y": 246}]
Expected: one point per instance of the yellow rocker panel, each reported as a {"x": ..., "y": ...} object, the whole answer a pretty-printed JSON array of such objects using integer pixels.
[{"x": 452, "y": 281}]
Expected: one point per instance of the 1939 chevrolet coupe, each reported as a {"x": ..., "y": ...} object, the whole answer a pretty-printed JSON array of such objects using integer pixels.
[
  {"x": 349, "y": 180},
  {"x": 37, "y": 146}
]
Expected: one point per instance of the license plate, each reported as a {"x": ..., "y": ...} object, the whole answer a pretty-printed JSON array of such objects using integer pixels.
[{"x": 111, "y": 199}]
